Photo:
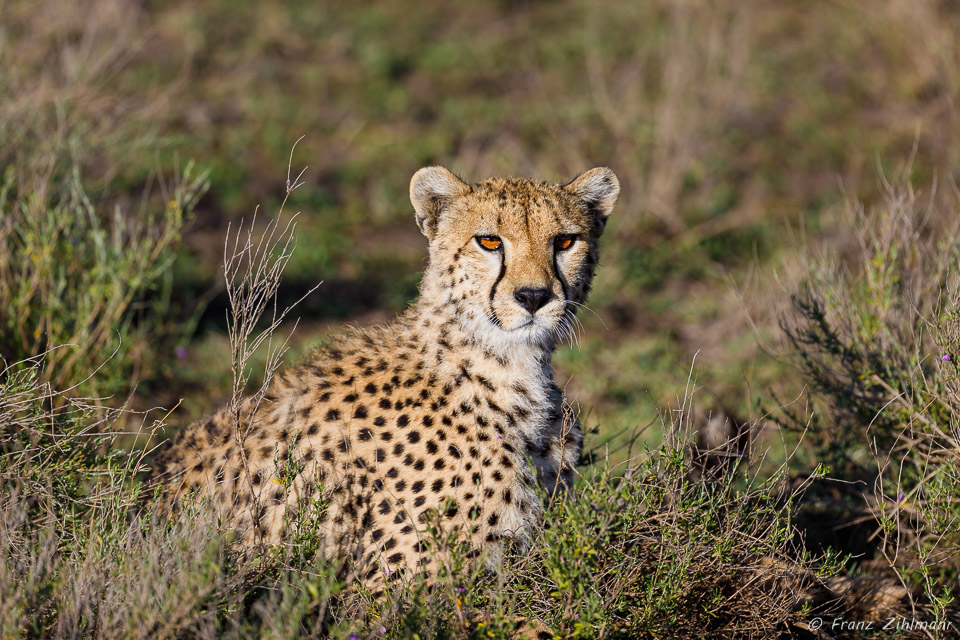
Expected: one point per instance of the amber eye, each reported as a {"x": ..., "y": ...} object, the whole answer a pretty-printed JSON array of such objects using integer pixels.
[
  {"x": 561, "y": 243},
  {"x": 490, "y": 243}
]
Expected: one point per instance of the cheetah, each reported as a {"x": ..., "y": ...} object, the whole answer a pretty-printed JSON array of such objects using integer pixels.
[{"x": 450, "y": 412}]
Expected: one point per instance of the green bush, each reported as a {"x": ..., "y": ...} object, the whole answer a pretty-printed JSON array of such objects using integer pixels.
[
  {"x": 81, "y": 287},
  {"x": 878, "y": 340}
]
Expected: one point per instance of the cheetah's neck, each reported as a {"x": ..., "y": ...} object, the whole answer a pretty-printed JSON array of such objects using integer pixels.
[{"x": 513, "y": 374}]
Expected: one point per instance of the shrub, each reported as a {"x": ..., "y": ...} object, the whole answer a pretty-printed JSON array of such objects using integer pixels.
[
  {"x": 74, "y": 286},
  {"x": 877, "y": 339}
]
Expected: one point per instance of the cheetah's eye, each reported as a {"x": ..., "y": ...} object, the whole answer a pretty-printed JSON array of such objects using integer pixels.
[
  {"x": 561, "y": 243},
  {"x": 490, "y": 243}
]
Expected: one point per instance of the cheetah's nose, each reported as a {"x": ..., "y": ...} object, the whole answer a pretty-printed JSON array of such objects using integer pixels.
[{"x": 532, "y": 299}]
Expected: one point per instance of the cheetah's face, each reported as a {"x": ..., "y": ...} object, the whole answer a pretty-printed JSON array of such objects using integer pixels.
[{"x": 513, "y": 257}]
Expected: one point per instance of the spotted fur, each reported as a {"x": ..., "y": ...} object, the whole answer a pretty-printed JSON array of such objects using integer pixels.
[{"x": 448, "y": 414}]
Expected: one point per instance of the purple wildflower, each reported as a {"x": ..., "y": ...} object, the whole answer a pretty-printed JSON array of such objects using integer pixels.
[
  {"x": 181, "y": 353},
  {"x": 945, "y": 357},
  {"x": 383, "y": 629},
  {"x": 900, "y": 497}
]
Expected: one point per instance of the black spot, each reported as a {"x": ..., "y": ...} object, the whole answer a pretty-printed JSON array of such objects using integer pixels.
[
  {"x": 417, "y": 486},
  {"x": 505, "y": 461},
  {"x": 360, "y": 412},
  {"x": 395, "y": 558},
  {"x": 384, "y": 508},
  {"x": 401, "y": 485},
  {"x": 350, "y": 397},
  {"x": 377, "y": 534},
  {"x": 332, "y": 415},
  {"x": 312, "y": 431},
  {"x": 431, "y": 446},
  {"x": 419, "y": 501},
  {"x": 400, "y": 517},
  {"x": 454, "y": 451},
  {"x": 386, "y": 436},
  {"x": 507, "y": 496},
  {"x": 370, "y": 388},
  {"x": 344, "y": 444},
  {"x": 419, "y": 465},
  {"x": 427, "y": 421},
  {"x": 384, "y": 403},
  {"x": 497, "y": 476},
  {"x": 379, "y": 421},
  {"x": 438, "y": 463},
  {"x": 380, "y": 455},
  {"x": 436, "y": 486},
  {"x": 413, "y": 436},
  {"x": 365, "y": 434},
  {"x": 398, "y": 449},
  {"x": 493, "y": 520},
  {"x": 393, "y": 473},
  {"x": 403, "y": 421}
]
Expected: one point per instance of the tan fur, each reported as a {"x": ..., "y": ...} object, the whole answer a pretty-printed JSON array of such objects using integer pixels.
[{"x": 441, "y": 412}]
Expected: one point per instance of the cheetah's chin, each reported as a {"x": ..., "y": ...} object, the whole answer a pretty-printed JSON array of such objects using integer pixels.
[{"x": 534, "y": 330}]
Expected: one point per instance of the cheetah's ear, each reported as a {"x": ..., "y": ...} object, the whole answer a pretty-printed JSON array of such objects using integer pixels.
[
  {"x": 431, "y": 190},
  {"x": 598, "y": 189}
]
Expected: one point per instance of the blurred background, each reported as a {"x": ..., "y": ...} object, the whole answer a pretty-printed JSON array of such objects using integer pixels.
[{"x": 132, "y": 134}]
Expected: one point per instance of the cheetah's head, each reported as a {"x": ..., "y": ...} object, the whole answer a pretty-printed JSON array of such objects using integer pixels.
[{"x": 513, "y": 257}]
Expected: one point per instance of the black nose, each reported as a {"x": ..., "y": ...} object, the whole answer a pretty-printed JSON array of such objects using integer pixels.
[{"x": 532, "y": 299}]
